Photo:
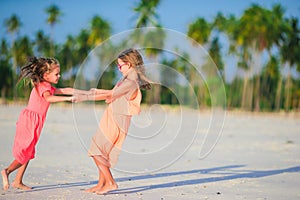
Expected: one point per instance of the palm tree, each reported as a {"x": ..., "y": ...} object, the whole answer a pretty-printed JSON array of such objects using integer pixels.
[
  {"x": 100, "y": 30},
  {"x": 255, "y": 33},
  {"x": 247, "y": 35},
  {"x": 80, "y": 53},
  {"x": 290, "y": 51},
  {"x": 147, "y": 15},
  {"x": 13, "y": 25},
  {"x": 42, "y": 43},
  {"x": 108, "y": 70},
  {"x": 67, "y": 59},
  {"x": 269, "y": 83},
  {"x": 82, "y": 47},
  {"x": 23, "y": 49},
  {"x": 215, "y": 54},
  {"x": 279, "y": 27},
  {"x": 5, "y": 70},
  {"x": 54, "y": 13},
  {"x": 225, "y": 26},
  {"x": 199, "y": 31}
]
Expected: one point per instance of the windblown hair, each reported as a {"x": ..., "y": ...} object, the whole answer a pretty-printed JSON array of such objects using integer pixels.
[
  {"x": 134, "y": 57},
  {"x": 36, "y": 68}
]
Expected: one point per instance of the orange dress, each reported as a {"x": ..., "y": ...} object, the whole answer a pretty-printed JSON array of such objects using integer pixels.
[
  {"x": 113, "y": 127},
  {"x": 30, "y": 123}
]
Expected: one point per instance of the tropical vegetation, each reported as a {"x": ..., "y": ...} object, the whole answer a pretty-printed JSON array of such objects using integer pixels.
[{"x": 264, "y": 42}]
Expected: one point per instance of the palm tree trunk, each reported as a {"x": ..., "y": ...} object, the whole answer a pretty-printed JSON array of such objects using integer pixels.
[
  {"x": 244, "y": 95},
  {"x": 250, "y": 96},
  {"x": 156, "y": 97},
  {"x": 14, "y": 67},
  {"x": 201, "y": 97},
  {"x": 52, "y": 52},
  {"x": 257, "y": 96},
  {"x": 157, "y": 87},
  {"x": 256, "y": 86},
  {"x": 278, "y": 94},
  {"x": 14, "y": 76},
  {"x": 3, "y": 95},
  {"x": 287, "y": 91}
]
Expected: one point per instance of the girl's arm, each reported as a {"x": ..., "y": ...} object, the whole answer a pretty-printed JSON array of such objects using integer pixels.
[
  {"x": 53, "y": 99},
  {"x": 100, "y": 95},
  {"x": 103, "y": 95},
  {"x": 70, "y": 91},
  {"x": 96, "y": 91},
  {"x": 124, "y": 88}
]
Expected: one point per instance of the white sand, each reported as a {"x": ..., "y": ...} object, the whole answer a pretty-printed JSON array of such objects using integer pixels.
[{"x": 257, "y": 156}]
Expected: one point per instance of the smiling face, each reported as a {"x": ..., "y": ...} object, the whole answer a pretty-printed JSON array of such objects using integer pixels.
[{"x": 53, "y": 76}]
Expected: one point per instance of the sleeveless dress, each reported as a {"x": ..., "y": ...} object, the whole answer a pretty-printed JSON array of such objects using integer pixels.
[
  {"x": 30, "y": 123},
  {"x": 107, "y": 142}
]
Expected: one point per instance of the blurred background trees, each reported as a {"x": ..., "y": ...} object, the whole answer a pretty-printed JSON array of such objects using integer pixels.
[{"x": 265, "y": 44}]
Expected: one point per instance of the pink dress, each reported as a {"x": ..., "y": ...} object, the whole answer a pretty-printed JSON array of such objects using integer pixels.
[
  {"x": 30, "y": 123},
  {"x": 107, "y": 142}
]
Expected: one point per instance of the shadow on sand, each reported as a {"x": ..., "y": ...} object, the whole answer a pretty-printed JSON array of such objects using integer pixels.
[{"x": 226, "y": 173}]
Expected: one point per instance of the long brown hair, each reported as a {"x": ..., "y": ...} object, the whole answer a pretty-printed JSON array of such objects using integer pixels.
[{"x": 135, "y": 59}]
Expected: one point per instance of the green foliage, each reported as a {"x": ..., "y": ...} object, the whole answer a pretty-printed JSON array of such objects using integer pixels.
[
  {"x": 200, "y": 30},
  {"x": 54, "y": 13},
  {"x": 146, "y": 13},
  {"x": 5, "y": 69},
  {"x": 258, "y": 31}
]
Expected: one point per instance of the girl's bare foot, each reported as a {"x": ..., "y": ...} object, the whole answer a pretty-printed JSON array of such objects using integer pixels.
[
  {"x": 107, "y": 188},
  {"x": 20, "y": 186},
  {"x": 5, "y": 180},
  {"x": 94, "y": 189}
]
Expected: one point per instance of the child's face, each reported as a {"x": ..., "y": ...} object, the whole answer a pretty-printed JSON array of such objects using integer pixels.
[
  {"x": 123, "y": 66},
  {"x": 53, "y": 76}
]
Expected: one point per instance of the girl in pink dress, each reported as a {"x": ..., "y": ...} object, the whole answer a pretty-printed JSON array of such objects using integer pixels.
[
  {"x": 42, "y": 72},
  {"x": 124, "y": 101}
]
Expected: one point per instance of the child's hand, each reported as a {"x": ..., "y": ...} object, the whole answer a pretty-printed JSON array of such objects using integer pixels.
[
  {"x": 73, "y": 99},
  {"x": 80, "y": 98},
  {"x": 108, "y": 100},
  {"x": 93, "y": 90}
]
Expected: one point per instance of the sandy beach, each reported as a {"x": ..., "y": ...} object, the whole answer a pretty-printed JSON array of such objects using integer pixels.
[{"x": 256, "y": 155}]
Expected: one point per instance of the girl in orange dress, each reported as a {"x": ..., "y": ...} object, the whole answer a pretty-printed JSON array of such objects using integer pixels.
[
  {"x": 42, "y": 72},
  {"x": 124, "y": 101}
]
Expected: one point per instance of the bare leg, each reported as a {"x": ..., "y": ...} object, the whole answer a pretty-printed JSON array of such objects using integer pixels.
[
  {"x": 109, "y": 183},
  {"x": 5, "y": 173},
  {"x": 100, "y": 180},
  {"x": 18, "y": 182},
  {"x": 5, "y": 180}
]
